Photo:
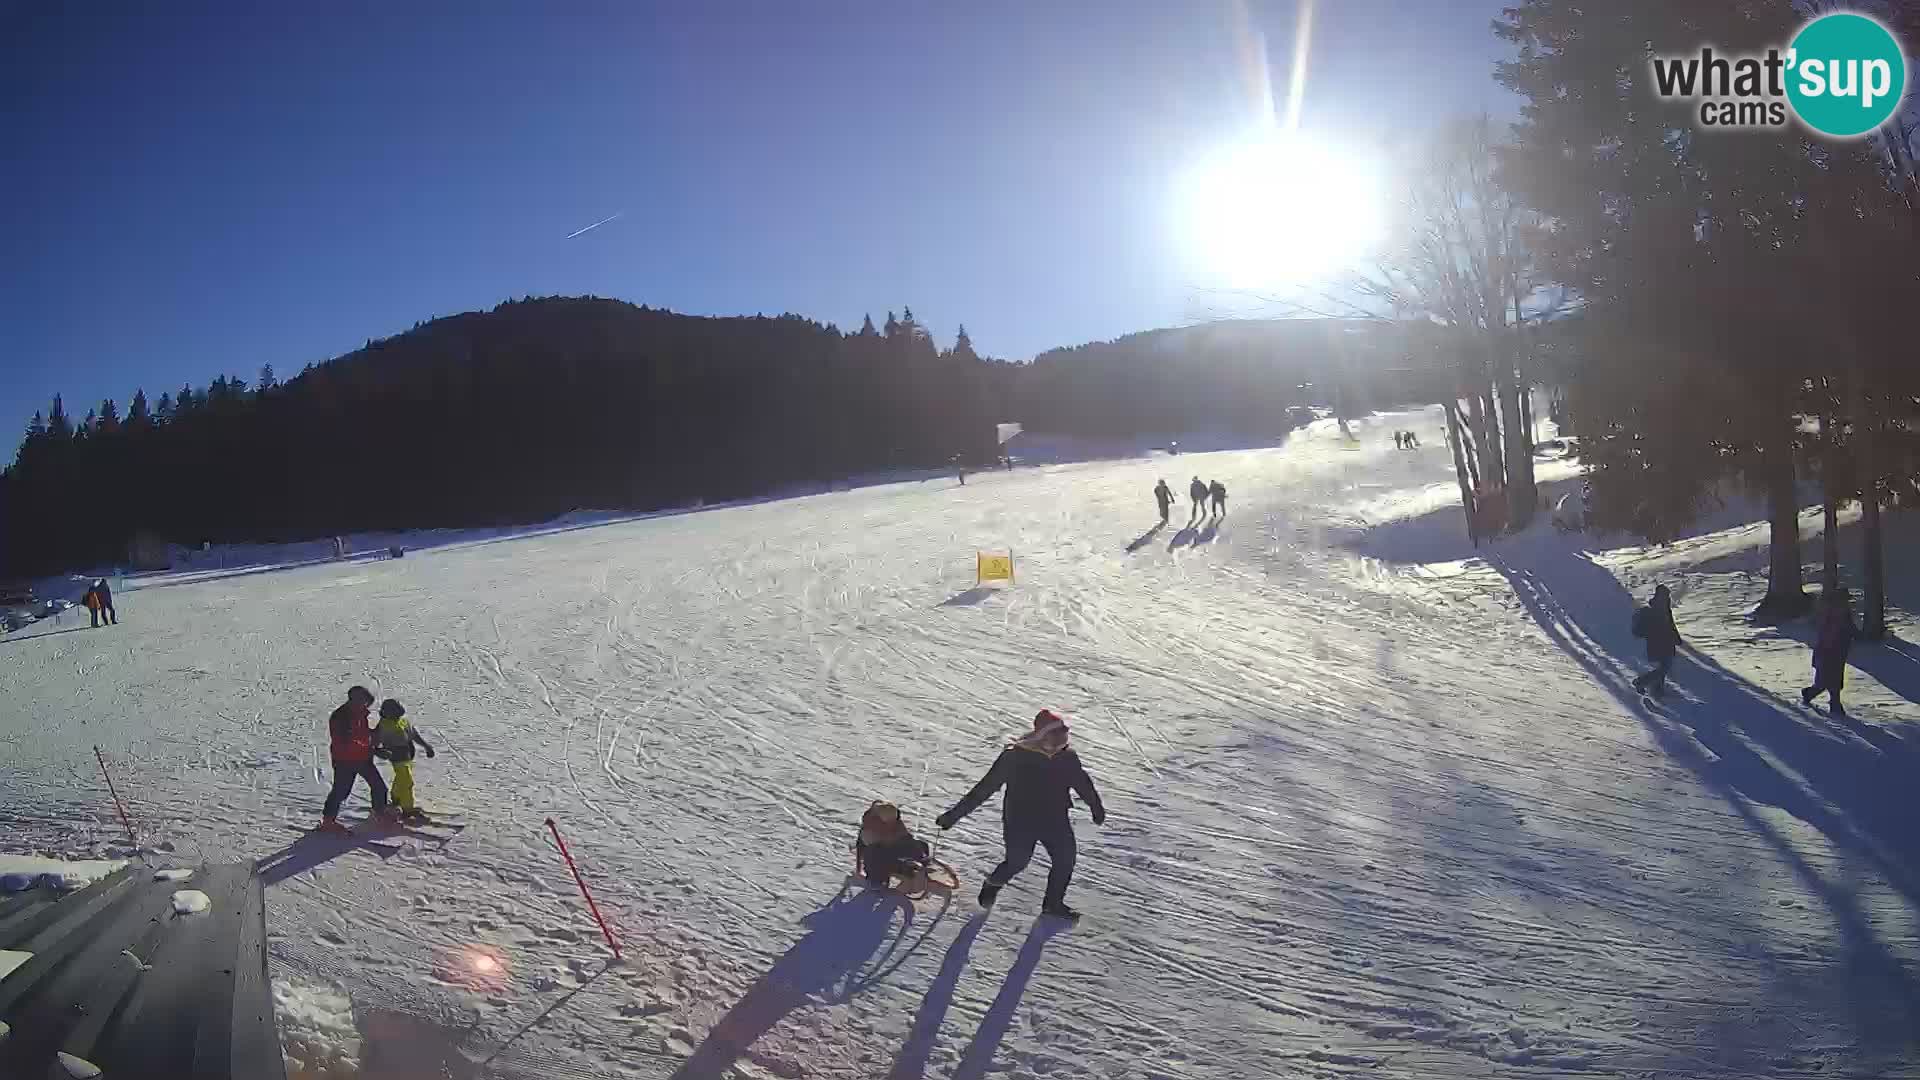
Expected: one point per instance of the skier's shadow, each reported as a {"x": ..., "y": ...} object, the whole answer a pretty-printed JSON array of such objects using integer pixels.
[
  {"x": 1207, "y": 534},
  {"x": 978, "y": 1056},
  {"x": 825, "y": 963},
  {"x": 1184, "y": 536},
  {"x": 315, "y": 849}
]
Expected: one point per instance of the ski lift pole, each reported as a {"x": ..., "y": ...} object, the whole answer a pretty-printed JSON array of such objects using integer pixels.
[
  {"x": 117, "y": 805},
  {"x": 582, "y": 882}
]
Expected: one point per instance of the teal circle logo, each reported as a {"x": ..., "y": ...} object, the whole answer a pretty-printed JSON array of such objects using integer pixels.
[{"x": 1846, "y": 74}]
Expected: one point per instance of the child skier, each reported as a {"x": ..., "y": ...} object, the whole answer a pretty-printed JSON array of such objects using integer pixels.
[
  {"x": 886, "y": 846},
  {"x": 394, "y": 739}
]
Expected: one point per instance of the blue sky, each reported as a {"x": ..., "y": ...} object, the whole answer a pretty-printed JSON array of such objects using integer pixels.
[{"x": 187, "y": 196}]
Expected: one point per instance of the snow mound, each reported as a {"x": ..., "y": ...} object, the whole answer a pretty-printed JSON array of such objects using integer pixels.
[
  {"x": 190, "y": 902},
  {"x": 21, "y": 872},
  {"x": 172, "y": 875},
  {"x": 77, "y": 1067},
  {"x": 318, "y": 1039}
]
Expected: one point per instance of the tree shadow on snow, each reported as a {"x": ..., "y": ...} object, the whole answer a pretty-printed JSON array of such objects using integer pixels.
[
  {"x": 1716, "y": 724},
  {"x": 825, "y": 964},
  {"x": 1145, "y": 538},
  {"x": 978, "y": 1056},
  {"x": 911, "y": 1062}
]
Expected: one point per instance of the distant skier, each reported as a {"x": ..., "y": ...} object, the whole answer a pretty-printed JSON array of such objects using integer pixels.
[
  {"x": 92, "y": 601},
  {"x": 394, "y": 739},
  {"x": 352, "y": 752},
  {"x": 1219, "y": 492},
  {"x": 1413, "y": 441},
  {"x": 1654, "y": 623},
  {"x": 105, "y": 593},
  {"x": 1163, "y": 495},
  {"x": 1831, "y": 643},
  {"x": 1197, "y": 491},
  {"x": 1399, "y": 440},
  {"x": 1038, "y": 771}
]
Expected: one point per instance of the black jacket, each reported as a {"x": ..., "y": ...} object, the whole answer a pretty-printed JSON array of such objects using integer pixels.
[
  {"x": 1655, "y": 623},
  {"x": 1037, "y": 787}
]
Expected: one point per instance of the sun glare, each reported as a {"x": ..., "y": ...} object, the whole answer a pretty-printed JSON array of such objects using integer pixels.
[{"x": 1279, "y": 210}]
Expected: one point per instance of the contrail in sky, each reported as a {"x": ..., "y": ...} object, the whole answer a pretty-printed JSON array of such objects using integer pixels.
[{"x": 594, "y": 226}]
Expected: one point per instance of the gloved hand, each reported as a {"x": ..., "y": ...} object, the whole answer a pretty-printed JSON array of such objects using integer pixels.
[
  {"x": 429, "y": 751},
  {"x": 1100, "y": 816},
  {"x": 945, "y": 821}
]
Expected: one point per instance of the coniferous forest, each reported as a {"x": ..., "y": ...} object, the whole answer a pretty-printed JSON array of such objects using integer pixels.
[{"x": 542, "y": 406}]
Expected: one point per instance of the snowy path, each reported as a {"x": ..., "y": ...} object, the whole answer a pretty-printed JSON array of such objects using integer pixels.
[{"x": 1367, "y": 819}]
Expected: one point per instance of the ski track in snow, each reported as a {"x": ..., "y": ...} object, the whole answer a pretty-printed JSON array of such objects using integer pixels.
[{"x": 1367, "y": 818}]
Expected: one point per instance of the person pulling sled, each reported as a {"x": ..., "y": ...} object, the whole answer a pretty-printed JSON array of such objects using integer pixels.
[{"x": 1038, "y": 770}]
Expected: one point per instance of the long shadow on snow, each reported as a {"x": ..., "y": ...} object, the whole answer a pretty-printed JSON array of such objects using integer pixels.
[
  {"x": 1145, "y": 538},
  {"x": 911, "y": 1062},
  {"x": 826, "y": 963},
  {"x": 17, "y": 638},
  {"x": 1184, "y": 536},
  {"x": 978, "y": 1056},
  {"x": 315, "y": 849},
  {"x": 1870, "y": 810}
]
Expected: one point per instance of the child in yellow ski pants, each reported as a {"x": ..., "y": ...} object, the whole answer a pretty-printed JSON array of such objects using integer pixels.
[{"x": 394, "y": 739}]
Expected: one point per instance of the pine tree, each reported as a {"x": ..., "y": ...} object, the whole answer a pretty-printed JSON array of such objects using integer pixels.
[
  {"x": 163, "y": 410},
  {"x": 57, "y": 423},
  {"x": 866, "y": 328},
  {"x": 963, "y": 347},
  {"x": 893, "y": 327},
  {"x": 137, "y": 414},
  {"x": 267, "y": 379},
  {"x": 37, "y": 427}
]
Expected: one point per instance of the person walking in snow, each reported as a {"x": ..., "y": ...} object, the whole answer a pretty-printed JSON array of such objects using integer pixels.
[
  {"x": 1398, "y": 443},
  {"x": 1654, "y": 623},
  {"x": 1831, "y": 643},
  {"x": 352, "y": 753},
  {"x": 1038, "y": 770},
  {"x": 104, "y": 594},
  {"x": 92, "y": 601},
  {"x": 394, "y": 739},
  {"x": 1197, "y": 491},
  {"x": 1163, "y": 495},
  {"x": 1219, "y": 492}
]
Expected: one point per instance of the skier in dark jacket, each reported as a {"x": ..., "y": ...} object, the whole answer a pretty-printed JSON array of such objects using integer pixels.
[
  {"x": 1163, "y": 495},
  {"x": 352, "y": 753},
  {"x": 1197, "y": 491},
  {"x": 1830, "y": 647},
  {"x": 105, "y": 594},
  {"x": 1219, "y": 492},
  {"x": 1655, "y": 623},
  {"x": 1038, "y": 770}
]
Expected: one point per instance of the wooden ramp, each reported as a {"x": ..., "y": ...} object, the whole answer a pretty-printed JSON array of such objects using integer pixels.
[{"x": 119, "y": 979}]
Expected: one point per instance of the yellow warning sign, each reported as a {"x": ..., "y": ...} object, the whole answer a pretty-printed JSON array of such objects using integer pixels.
[{"x": 994, "y": 567}]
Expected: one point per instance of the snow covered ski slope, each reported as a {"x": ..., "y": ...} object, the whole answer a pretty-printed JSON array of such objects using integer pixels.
[{"x": 1367, "y": 817}]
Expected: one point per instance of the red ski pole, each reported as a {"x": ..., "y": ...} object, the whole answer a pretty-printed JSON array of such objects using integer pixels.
[
  {"x": 101, "y": 758},
  {"x": 582, "y": 882}
]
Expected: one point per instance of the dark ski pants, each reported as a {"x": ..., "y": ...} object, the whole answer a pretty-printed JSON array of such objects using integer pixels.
[
  {"x": 1655, "y": 682},
  {"x": 1056, "y": 837},
  {"x": 107, "y": 613},
  {"x": 344, "y": 774},
  {"x": 1829, "y": 678}
]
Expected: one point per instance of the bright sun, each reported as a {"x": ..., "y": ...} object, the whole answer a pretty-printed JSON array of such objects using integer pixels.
[{"x": 1279, "y": 210}]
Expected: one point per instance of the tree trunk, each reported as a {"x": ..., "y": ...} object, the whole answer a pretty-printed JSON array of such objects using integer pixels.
[
  {"x": 1522, "y": 499},
  {"x": 1786, "y": 594},
  {"x": 1866, "y": 429},
  {"x": 1460, "y": 470},
  {"x": 1830, "y": 510},
  {"x": 1492, "y": 459}
]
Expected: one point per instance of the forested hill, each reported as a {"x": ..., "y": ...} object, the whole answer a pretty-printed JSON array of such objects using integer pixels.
[{"x": 546, "y": 405}]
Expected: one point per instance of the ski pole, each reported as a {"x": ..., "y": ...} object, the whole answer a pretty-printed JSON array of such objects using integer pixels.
[
  {"x": 101, "y": 758},
  {"x": 580, "y": 881}
]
